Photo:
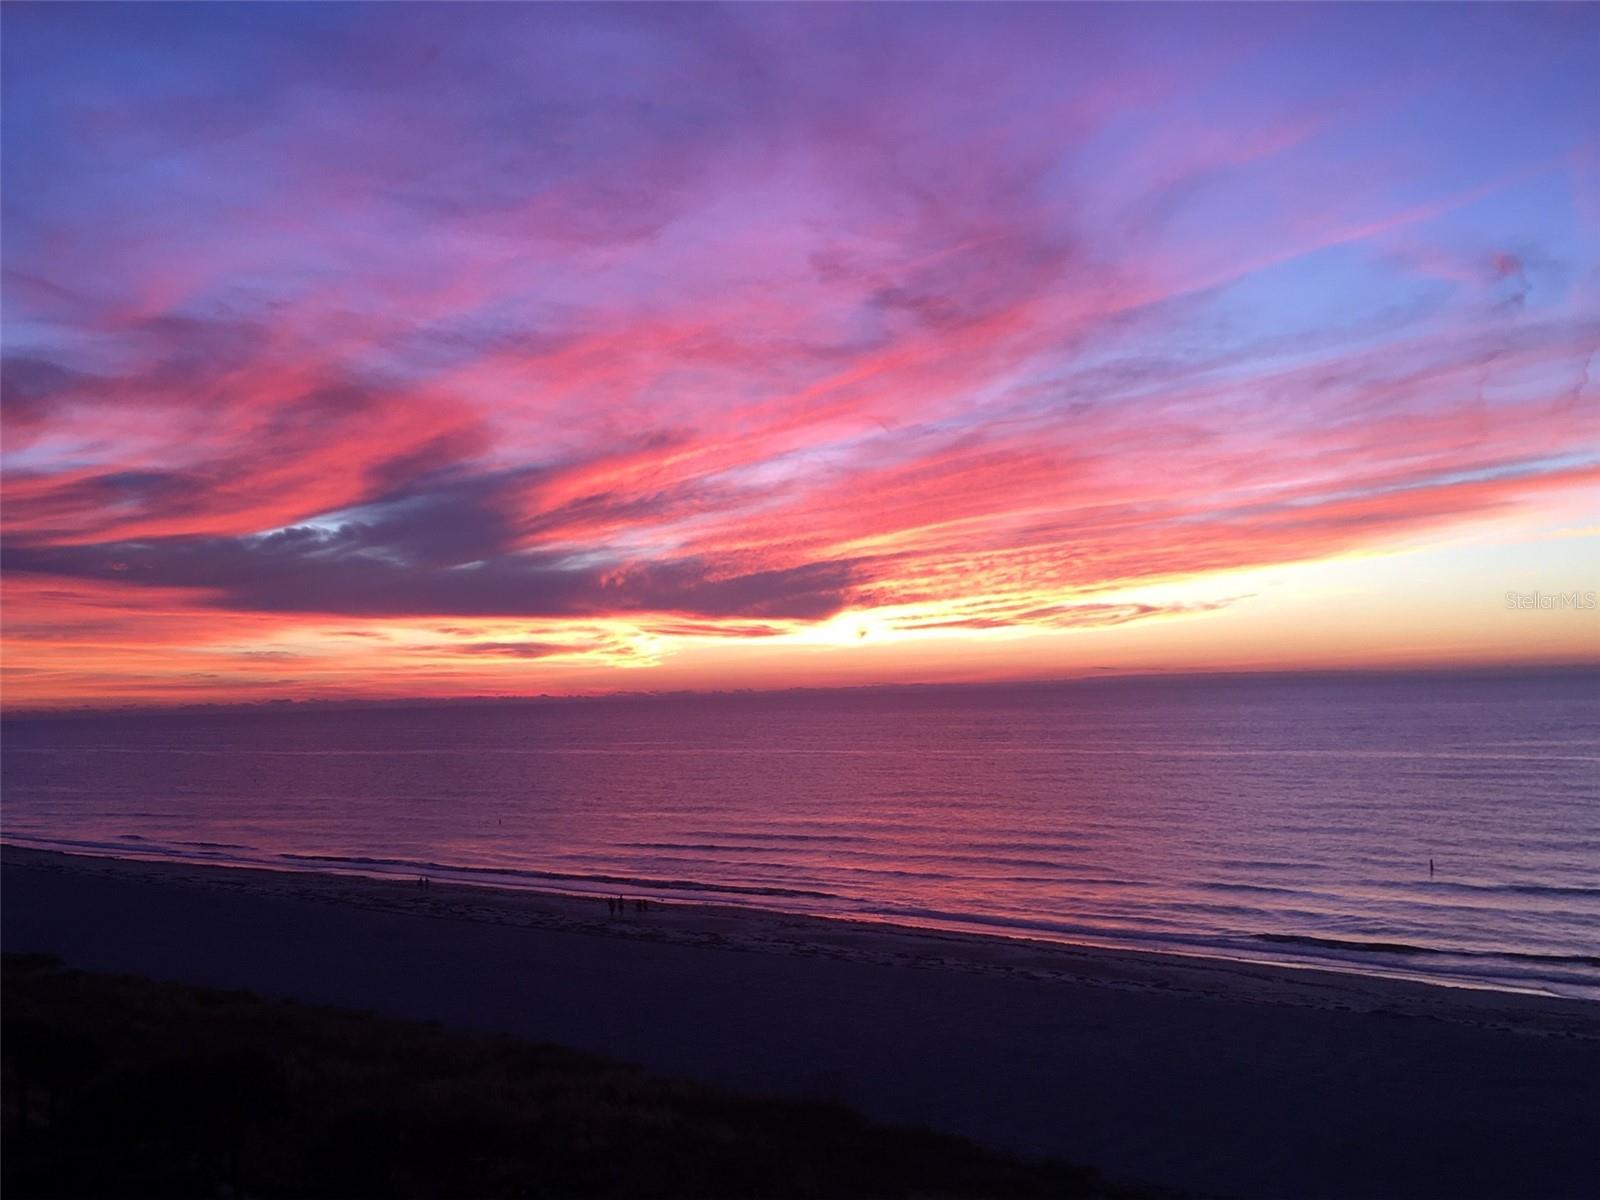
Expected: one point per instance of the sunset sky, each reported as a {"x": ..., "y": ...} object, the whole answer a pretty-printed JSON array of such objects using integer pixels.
[{"x": 478, "y": 350}]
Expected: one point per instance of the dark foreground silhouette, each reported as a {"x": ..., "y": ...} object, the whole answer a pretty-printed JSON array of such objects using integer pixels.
[{"x": 120, "y": 1086}]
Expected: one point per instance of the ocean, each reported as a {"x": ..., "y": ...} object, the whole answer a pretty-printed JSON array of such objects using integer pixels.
[{"x": 1273, "y": 819}]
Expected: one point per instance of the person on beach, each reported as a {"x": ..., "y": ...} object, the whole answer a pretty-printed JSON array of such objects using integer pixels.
[{"x": 611, "y": 906}]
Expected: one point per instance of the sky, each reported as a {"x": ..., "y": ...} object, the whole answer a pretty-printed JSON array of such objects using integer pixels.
[{"x": 392, "y": 350}]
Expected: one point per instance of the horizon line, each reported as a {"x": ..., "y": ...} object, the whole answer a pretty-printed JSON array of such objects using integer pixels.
[{"x": 1104, "y": 676}]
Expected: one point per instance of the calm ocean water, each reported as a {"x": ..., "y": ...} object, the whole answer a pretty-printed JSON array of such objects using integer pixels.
[{"x": 1277, "y": 820}]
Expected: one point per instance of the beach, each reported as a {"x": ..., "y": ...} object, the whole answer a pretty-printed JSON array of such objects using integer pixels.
[{"x": 1215, "y": 1076}]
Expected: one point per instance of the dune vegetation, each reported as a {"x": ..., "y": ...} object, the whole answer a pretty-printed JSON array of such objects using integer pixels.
[{"x": 121, "y": 1086}]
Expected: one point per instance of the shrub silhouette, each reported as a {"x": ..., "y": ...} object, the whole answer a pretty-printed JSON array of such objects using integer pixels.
[{"x": 177, "y": 1092}]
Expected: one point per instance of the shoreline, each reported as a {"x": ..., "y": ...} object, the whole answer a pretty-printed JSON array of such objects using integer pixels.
[
  {"x": 1208, "y": 1076},
  {"x": 1355, "y": 957},
  {"x": 749, "y": 928}
]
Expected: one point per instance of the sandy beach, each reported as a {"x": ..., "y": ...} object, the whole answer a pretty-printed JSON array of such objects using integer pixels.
[{"x": 1220, "y": 1077}]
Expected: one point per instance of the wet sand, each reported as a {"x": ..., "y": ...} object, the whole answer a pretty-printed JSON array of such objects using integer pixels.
[{"x": 1216, "y": 1076}]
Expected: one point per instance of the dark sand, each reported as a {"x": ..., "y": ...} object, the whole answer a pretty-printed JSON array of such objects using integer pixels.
[{"x": 1222, "y": 1077}]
